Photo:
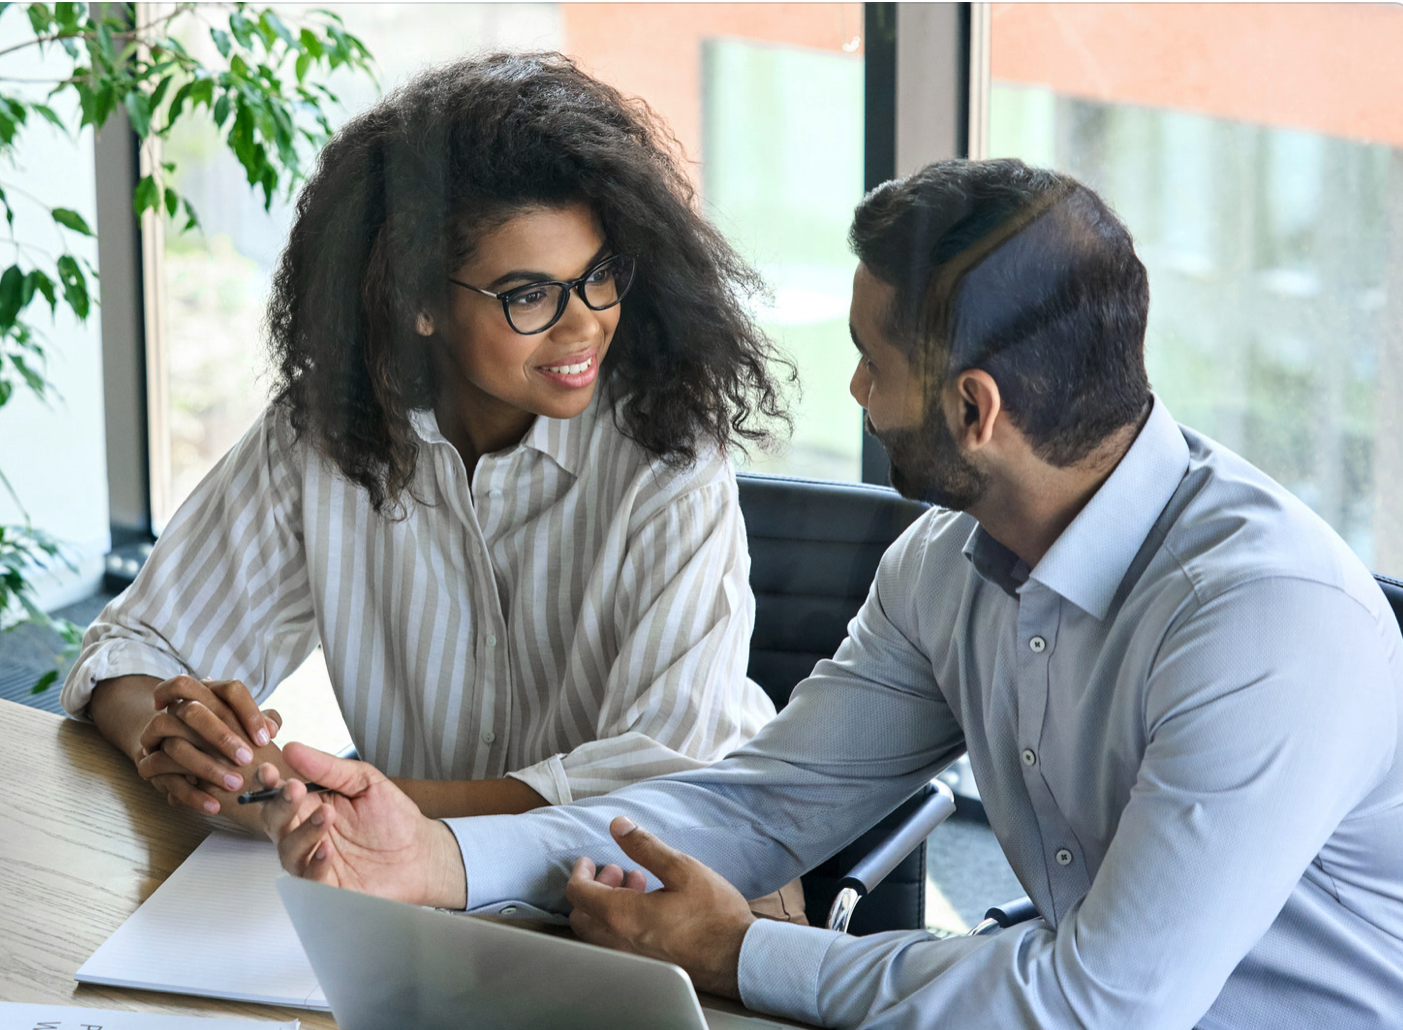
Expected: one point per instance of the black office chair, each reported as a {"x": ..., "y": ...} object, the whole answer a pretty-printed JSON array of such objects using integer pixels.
[{"x": 814, "y": 549}]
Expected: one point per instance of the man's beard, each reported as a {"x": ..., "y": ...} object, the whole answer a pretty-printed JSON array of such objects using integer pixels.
[{"x": 926, "y": 463}]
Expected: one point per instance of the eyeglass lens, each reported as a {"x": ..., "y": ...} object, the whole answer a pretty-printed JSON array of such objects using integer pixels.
[{"x": 536, "y": 308}]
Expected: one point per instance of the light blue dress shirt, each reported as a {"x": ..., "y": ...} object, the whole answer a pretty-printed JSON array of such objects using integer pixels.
[{"x": 1185, "y": 726}]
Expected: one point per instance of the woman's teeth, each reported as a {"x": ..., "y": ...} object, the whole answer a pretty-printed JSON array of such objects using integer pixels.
[{"x": 569, "y": 370}]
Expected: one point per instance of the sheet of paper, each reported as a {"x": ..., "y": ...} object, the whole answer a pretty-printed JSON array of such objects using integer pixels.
[
  {"x": 215, "y": 928},
  {"x": 14, "y": 1016}
]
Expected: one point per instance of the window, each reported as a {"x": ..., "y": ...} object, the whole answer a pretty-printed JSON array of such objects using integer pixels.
[
  {"x": 1256, "y": 153},
  {"x": 765, "y": 98}
]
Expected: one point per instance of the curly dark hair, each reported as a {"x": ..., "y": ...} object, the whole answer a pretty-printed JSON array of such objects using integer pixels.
[{"x": 399, "y": 196}]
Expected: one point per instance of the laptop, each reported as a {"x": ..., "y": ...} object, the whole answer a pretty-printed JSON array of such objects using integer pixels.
[{"x": 387, "y": 964}]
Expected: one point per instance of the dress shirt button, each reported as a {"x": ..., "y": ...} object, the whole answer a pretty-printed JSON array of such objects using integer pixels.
[
  {"x": 1063, "y": 856},
  {"x": 1029, "y": 758},
  {"x": 488, "y": 736},
  {"x": 1037, "y": 645},
  {"x": 491, "y": 640},
  {"x": 495, "y": 492},
  {"x": 510, "y": 910}
]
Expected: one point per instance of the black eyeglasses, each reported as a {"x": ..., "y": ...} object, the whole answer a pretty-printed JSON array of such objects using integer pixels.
[{"x": 536, "y": 307}]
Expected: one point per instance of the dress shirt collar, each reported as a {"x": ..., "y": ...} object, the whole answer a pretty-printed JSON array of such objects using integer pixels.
[
  {"x": 1088, "y": 561},
  {"x": 563, "y": 440}
]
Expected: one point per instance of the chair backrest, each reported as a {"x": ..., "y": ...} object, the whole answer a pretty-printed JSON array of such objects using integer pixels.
[
  {"x": 1393, "y": 592},
  {"x": 814, "y": 549}
]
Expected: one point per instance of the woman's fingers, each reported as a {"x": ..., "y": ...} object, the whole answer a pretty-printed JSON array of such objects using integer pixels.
[
  {"x": 177, "y": 754},
  {"x": 179, "y": 791},
  {"x": 234, "y": 694},
  {"x": 219, "y": 712}
]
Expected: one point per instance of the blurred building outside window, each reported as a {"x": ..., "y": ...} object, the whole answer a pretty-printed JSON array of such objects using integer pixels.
[{"x": 1256, "y": 153}]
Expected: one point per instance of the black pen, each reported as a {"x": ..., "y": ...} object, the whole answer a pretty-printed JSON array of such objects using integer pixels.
[{"x": 269, "y": 793}]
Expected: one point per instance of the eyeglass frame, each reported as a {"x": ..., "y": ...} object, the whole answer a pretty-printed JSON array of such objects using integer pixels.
[{"x": 575, "y": 285}]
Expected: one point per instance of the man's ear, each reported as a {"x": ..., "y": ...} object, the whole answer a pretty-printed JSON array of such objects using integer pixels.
[
  {"x": 980, "y": 405},
  {"x": 424, "y": 325}
]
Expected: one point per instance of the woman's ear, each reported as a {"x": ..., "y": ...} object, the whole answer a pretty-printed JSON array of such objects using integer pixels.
[{"x": 424, "y": 325}]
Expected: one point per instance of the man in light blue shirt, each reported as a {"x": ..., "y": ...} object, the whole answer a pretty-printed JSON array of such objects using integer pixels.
[{"x": 1181, "y": 693}]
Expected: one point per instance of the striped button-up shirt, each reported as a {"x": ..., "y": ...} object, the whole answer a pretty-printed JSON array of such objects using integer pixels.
[{"x": 573, "y": 612}]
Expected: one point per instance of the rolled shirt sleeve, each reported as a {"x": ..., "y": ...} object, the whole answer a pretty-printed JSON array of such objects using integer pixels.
[{"x": 225, "y": 591}]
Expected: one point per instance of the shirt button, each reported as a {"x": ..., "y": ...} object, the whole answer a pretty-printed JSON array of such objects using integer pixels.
[
  {"x": 1037, "y": 645},
  {"x": 1063, "y": 856},
  {"x": 495, "y": 492},
  {"x": 491, "y": 640},
  {"x": 488, "y": 737},
  {"x": 1029, "y": 758},
  {"x": 510, "y": 910}
]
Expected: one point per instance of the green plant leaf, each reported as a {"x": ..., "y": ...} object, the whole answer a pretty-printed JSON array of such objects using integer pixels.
[
  {"x": 139, "y": 108},
  {"x": 75, "y": 285},
  {"x": 44, "y": 682},
  {"x": 158, "y": 94},
  {"x": 51, "y": 116},
  {"x": 172, "y": 202},
  {"x": 242, "y": 29},
  {"x": 301, "y": 66},
  {"x": 11, "y": 296},
  {"x": 68, "y": 16},
  {"x": 147, "y": 195},
  {"x": 272, "y": 23},
  {"x": 71, "y": 220},
  {"x": 222, "y": 42},
  {"x": 37, "y": 281},
  {"x": 311, "y": 43},
  {"x": 40, "y": 18}
]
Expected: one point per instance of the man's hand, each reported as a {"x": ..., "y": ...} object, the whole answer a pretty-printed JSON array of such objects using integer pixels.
[
  {"x": 367, "y": 836},
  {"x": 697, "y": 920}
]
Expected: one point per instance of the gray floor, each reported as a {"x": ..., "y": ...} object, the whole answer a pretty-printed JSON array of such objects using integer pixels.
[
  {"x": 966, "y": 874},
  {"x": 27, "y": 653}
]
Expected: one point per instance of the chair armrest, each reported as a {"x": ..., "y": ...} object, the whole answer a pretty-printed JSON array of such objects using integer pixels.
[
  {"x": 886, "y": 856},
  {"x": 1001, "y": 917}
]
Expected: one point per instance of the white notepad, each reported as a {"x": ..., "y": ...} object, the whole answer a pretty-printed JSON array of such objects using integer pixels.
[
  {"x": 14, "y": 1016},
  {"x": 215, "y": 928}
]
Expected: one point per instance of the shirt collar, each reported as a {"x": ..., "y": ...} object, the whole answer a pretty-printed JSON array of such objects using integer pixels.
[
  {"x": 563, "y": 440},
  {"x": 1088, "y": 561}
]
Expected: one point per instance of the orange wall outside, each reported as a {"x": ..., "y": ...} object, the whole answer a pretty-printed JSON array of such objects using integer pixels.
[
  {"x": 653, "y": 50},
  {"x": 1335, "y": 69}
]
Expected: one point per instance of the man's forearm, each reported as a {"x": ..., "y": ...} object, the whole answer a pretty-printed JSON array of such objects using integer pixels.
[{"x": 451, "y": 799}]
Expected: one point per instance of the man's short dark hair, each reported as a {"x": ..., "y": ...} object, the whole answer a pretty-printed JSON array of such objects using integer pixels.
[{"x": 1024, "y": 273}]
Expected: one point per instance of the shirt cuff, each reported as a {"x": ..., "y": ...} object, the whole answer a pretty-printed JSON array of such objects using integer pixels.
[
  {"x": 779, "y": 968},
  {"x": 547, "y": 779},
  {"x": 117, "y": 658},
  {"x": 492, "y": 878}
]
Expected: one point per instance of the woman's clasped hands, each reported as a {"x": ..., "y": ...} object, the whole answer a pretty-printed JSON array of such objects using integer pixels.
[{"x": 203, "y": 736}]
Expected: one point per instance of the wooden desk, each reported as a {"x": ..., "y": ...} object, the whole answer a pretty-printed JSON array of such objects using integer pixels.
[{"x": 83, "y": 842}]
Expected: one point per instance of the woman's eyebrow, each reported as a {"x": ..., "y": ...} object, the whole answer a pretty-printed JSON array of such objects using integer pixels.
[{"x": 528, "y": 276}]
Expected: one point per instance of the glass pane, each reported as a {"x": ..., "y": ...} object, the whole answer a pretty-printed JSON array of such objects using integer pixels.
[
  {"x": 754, "y": 92},
  {"x": 1255, "y": 157}
]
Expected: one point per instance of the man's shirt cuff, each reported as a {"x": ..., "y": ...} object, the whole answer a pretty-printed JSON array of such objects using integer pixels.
[{"x": 780, "y": 965}]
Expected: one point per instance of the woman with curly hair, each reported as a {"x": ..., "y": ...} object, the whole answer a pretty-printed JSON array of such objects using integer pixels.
[{"x": 493, "y": 485}]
